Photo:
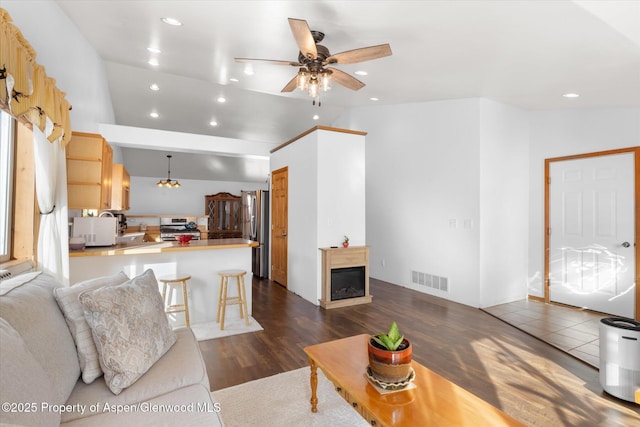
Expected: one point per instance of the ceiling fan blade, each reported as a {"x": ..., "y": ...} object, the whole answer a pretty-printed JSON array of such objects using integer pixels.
[
  {"x": 293, "y": 83},
  {"x": 360, "y": 55},
  {"x": 269, "y": 61},
  {"x": 345, "y": 79},
  {"x": 304, "y": 38}
]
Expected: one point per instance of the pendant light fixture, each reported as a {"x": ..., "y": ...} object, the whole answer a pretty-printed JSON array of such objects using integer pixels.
[{"x": 168, "y": 182}]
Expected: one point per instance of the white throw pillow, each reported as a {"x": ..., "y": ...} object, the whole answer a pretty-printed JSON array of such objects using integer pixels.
[
  {"x": 69, "y": 303},
  {"x": 129, "y": 327}
]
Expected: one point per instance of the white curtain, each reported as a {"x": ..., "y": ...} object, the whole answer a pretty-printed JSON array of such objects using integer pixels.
[{"x": 51, "y": 192}]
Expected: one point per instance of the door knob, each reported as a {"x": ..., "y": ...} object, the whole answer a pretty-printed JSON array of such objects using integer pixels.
[
  {"x": 626, "y": 244},
  {"x": 285, "y": 233}
]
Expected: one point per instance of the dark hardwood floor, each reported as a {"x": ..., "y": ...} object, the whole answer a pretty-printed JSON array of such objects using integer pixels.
[{"x": 525, "y": 377}]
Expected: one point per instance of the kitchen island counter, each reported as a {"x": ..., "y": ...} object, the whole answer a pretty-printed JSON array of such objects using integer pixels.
[
  {"x": 159, "y": 247},
  {"x": 200, "y": 259}
]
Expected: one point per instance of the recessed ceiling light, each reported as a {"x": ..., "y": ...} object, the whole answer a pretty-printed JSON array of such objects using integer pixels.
[
  {"x": 232, "y": 79},
  {"x": 222, "y": 99},
  {"x": 154, "y": 87},
  {"x": 374, "y": 99},
  {"x": 361, "y": 73},
  {"x": 213, "y": 123},
  {"x": 248, "y": 70},
  {"x": 154, "y": 50},
  {"x": 154, "y": 115},
  {"x": 153, "y": 62},
  {"x": 172, "y": 21},
  {"x": 571, "y": 95},
  {"x": 316, "y": 117}
]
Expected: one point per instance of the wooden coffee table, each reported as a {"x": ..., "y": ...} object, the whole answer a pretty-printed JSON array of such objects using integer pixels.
[{"x": 434, "y": 401}]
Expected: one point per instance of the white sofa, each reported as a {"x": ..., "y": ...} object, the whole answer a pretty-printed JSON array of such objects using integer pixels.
[{"x": 40, "y": 374}]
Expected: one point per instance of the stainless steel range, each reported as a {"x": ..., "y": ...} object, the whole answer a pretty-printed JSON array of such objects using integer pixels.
[{"x": 172, "y": 227}]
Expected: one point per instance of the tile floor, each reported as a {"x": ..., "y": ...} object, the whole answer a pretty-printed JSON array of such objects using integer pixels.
[{"x": 573, "y": 330}]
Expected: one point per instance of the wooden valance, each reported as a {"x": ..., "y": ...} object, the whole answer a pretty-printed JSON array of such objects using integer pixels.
[{"x": 26, "y": 92}]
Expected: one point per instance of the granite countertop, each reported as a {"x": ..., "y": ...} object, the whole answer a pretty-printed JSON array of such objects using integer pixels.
[{"x": 159, "y": 247}]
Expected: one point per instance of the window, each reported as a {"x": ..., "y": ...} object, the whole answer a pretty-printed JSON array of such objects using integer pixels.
[
  {"x": 18, "y": 218},
  {"x": 7, "y": 124}
]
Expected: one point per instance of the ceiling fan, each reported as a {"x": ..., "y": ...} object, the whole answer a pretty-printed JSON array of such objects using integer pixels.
[{"x": 314, "y": 74}]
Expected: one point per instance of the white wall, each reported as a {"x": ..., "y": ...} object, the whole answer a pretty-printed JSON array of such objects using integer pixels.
[
  {"x": 565, "y": 132},
  {"x": 148, "y": 199},
  {"x": 504, "y": 203},
  {"x": 422, "y": 188},
  {"x": 447, "y": 187},
  {"x": 455, "y": 189},
  {"x": 156, "y": 139},
  {"x": 326, "y": 201},
  {"x": 341, "y": 193},
  {"x": 301, "y": 159},
  {"x": 341, "y": 189},
  {"x": 68, "y": 58}
]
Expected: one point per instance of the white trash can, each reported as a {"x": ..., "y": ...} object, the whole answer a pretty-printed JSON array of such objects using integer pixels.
[{"x": 620, "y": 357}]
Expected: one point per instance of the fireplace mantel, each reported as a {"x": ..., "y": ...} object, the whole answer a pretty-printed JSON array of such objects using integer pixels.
[{"x": 336, "y": 258}]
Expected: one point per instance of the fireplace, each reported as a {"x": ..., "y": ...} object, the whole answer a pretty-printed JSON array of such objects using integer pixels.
[
  {"x": 347, "y": 283},
  {"x": 345, "y": 276}
]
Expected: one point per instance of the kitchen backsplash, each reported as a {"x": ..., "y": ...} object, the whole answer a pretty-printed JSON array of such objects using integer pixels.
[{"x": 154, "y": 221}]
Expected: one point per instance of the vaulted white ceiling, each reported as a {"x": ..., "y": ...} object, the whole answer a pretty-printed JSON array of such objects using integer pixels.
[{"x": 523, "y": 53}]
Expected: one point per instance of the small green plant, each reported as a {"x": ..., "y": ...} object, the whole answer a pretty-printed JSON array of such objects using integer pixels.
[
  {"x": 391, "y": 340},
  {"x": 346, "y": 239}
]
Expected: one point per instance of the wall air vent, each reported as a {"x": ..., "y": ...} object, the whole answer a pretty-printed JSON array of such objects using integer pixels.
[
  {"x": 430, "y": 281},
  {"x": 444, "y": 284},
  {"x": 4, "y": 275}
]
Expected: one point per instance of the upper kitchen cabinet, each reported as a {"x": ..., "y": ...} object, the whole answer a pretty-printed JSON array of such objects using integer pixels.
[
  {"x": 89, "y": 171},
  {"x": 120, "y": 188},
  {"x": 224, "y": 215}
]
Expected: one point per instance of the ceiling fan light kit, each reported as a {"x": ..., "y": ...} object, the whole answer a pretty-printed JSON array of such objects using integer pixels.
[
  {"x": 314, "y": 81},
  {"x": 314, "y": 76},
  {"x": 169, "y": 183}
]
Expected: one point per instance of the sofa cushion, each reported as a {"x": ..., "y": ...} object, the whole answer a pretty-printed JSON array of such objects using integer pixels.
[
  {"x": 32, "y": 311},
  {"x": 23, "y": 383},
  {"x": 129, "y": 327},
  {"x": 180, "y": 367},
  {"x": 189, "y": 406},
  {"x": 69, "y": 303}
]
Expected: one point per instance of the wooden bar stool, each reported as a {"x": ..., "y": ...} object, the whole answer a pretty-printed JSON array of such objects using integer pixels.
[
  {"x": 171, "y": 281},
  {"x": 224, "y": 300}
]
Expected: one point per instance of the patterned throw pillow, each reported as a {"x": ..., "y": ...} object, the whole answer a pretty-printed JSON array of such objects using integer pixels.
[
  {"x": 69, "y": 303},
  {"x": 129, "y": 327}
]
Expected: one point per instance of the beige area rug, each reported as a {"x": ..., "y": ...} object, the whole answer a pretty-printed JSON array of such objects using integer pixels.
[
  {"x": 283, "y": 400},
  {"x": 211, "y": 330}
]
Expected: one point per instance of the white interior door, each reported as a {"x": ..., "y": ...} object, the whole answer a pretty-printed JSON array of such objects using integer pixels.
[{"x": 591, "y": 242}]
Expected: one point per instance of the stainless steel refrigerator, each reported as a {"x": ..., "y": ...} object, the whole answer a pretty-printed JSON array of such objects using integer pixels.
[{"x": 255, "y": 226}]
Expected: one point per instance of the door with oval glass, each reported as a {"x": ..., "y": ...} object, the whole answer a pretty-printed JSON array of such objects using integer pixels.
[{"x": 591, "y": 230}]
